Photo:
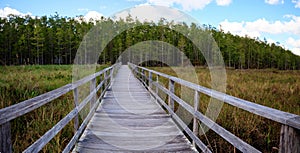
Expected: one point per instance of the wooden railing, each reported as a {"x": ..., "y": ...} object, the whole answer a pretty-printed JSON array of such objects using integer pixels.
[
  {"x": 290, "y": 129},
  {"x": 9, "y": 113}
]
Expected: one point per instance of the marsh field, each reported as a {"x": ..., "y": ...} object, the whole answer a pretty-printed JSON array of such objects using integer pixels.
[{"x": 270, "y": 87}]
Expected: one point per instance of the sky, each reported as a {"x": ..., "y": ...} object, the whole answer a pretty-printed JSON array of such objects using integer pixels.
[{"x": 273, "y": 20}]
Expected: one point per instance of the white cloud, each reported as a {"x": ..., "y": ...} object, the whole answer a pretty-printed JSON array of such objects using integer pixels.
[
  {"x": 296, "y": 51},
  {"x": 223, "y": 2},
  {"x": 294, "y": 45},
  {"x": 274, "y": 2},
  {"x": 255, "y": 28},
  {"x": 93, "y": 15},
  {"x": 187, "y": 5},
  {"x": 297, "y": 3},
  {"x": 293, "y": 42},
  {"x": 7, "y": 11},
  {"x": 260, "y": 27},
  {"x": 154, "y": 13},
  {"x": 238, "y": 28}
]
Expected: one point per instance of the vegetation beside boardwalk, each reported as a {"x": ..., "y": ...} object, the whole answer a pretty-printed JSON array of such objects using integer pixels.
[
  {"x": 273, "y": 88},
  {"x": 55, "y": 40},
  {"x": 269, "y": 87},
  {"x": 19, "y": 83}
]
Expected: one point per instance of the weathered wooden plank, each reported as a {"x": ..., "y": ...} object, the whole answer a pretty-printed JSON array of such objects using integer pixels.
[
  {"x": 41, "y": 142},
  {"x": 292, "y": 120},
  {"x": 150, "y": 80},
  {"x": 5, "y": 138},
  {"x": 172, "y": 147},
  {"x": 94, "y": 96},
  {"x": 231, "y": 138},
  {"x": 9, "y": 113},
  {"x": 14, "y": 111},
  {"x": 125, "y": 116},
  {"x": 87, "y": 119},
  {"x": 289, "y": 139},
  {"x": 79, "y": 131},
  {"x": 195, "y": 139},
  {"x": 172, "y": 89},
  {"x": 76, "y": 103},
  {"x": 195, "y": 121}
]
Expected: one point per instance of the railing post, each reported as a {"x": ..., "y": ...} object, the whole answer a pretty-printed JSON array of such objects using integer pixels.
[
  {"x": 195, "y": 123},
  {"x": 111, "y": 74},
  {"x": 106, "y": 79},
  {"x": 143, "y": 76},
  {"x": 157, "y": 81},
  {"x": 92, "y": 88},
  {"x": 76, "y": 103},
  {"x": 5, "y": 138},
  {"x": 150, "y": 80},
  {"x": 289, "y": 139},
  {"x": 171, "y": 88}
]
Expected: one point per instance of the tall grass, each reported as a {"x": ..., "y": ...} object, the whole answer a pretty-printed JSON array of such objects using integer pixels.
[
  {"x": 19, "y": 83},
  {"x": 272, "y": 88}
]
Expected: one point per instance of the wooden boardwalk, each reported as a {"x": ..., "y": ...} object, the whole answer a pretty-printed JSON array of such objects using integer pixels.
[{"x": 130, "y": 120}]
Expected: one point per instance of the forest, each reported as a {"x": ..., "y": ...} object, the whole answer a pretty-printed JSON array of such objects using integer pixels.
[{"x": 55, "y": 40}]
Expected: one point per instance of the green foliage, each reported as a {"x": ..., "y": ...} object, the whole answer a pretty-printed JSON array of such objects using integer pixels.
[{"x": 55, "y": 40}]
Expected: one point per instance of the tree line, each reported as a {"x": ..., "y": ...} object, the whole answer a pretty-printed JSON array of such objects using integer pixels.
[{"x": 55, "y": 40}]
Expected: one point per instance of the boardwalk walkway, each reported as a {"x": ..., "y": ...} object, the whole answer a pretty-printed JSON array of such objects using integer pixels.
[{"x": 130, "y": 120}]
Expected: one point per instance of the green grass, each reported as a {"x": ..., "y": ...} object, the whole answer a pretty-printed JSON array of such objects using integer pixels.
[
  {"x": 272, "y": 88},
  {"x": 19, "y": 83}
]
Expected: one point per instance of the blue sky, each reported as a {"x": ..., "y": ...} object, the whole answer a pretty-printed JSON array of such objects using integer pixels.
[{"x": 275, "y": 20}]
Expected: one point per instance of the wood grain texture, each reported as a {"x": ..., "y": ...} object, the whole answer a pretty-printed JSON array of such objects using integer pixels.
[
  {"x": 286, "y": 118},
  {"x": 231, "y": 138},
  {"x": 9, "y": 113},
  {"x": 5, "y": 138},
  {"x": 130, "y": 120},
  {"x": 289, "y": 139}
]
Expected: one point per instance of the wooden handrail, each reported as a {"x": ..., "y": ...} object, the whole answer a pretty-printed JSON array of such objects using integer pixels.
[
  {"x": 9, "y": 113},
  {"x": 290, "y": 122}
]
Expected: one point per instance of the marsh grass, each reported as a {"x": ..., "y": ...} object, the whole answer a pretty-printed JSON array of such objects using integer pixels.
[
  {"x": 19, "y": 83},
  {"x": 272, "y": 88}
]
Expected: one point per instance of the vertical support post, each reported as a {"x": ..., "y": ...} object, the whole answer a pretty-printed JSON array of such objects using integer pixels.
[
  {"x": 106, "y": 80},
  {"x": 171, "y": 88},
  {"x": 289, "y": 139},
  {"x": 92, "y": 88},
  {"x": 143, "y": 76},
  {"x": 150, "y": 80},
  {"x": 157, "y": 81},
  {"x": 111, "y": 74},
  {"x": 5, "y": 138},
  {"x": 76, "y": 119},
  {"x": 195, "y": 123}
]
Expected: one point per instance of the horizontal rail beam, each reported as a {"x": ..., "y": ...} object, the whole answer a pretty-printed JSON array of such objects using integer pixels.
[
  {"x": 282, "y": 117},
  {"x": 42, "y": 141},
  {"x": 231, "y": 138},
  {"x": 199, "y": 143},
  {"x": 11, "y": 112}
]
